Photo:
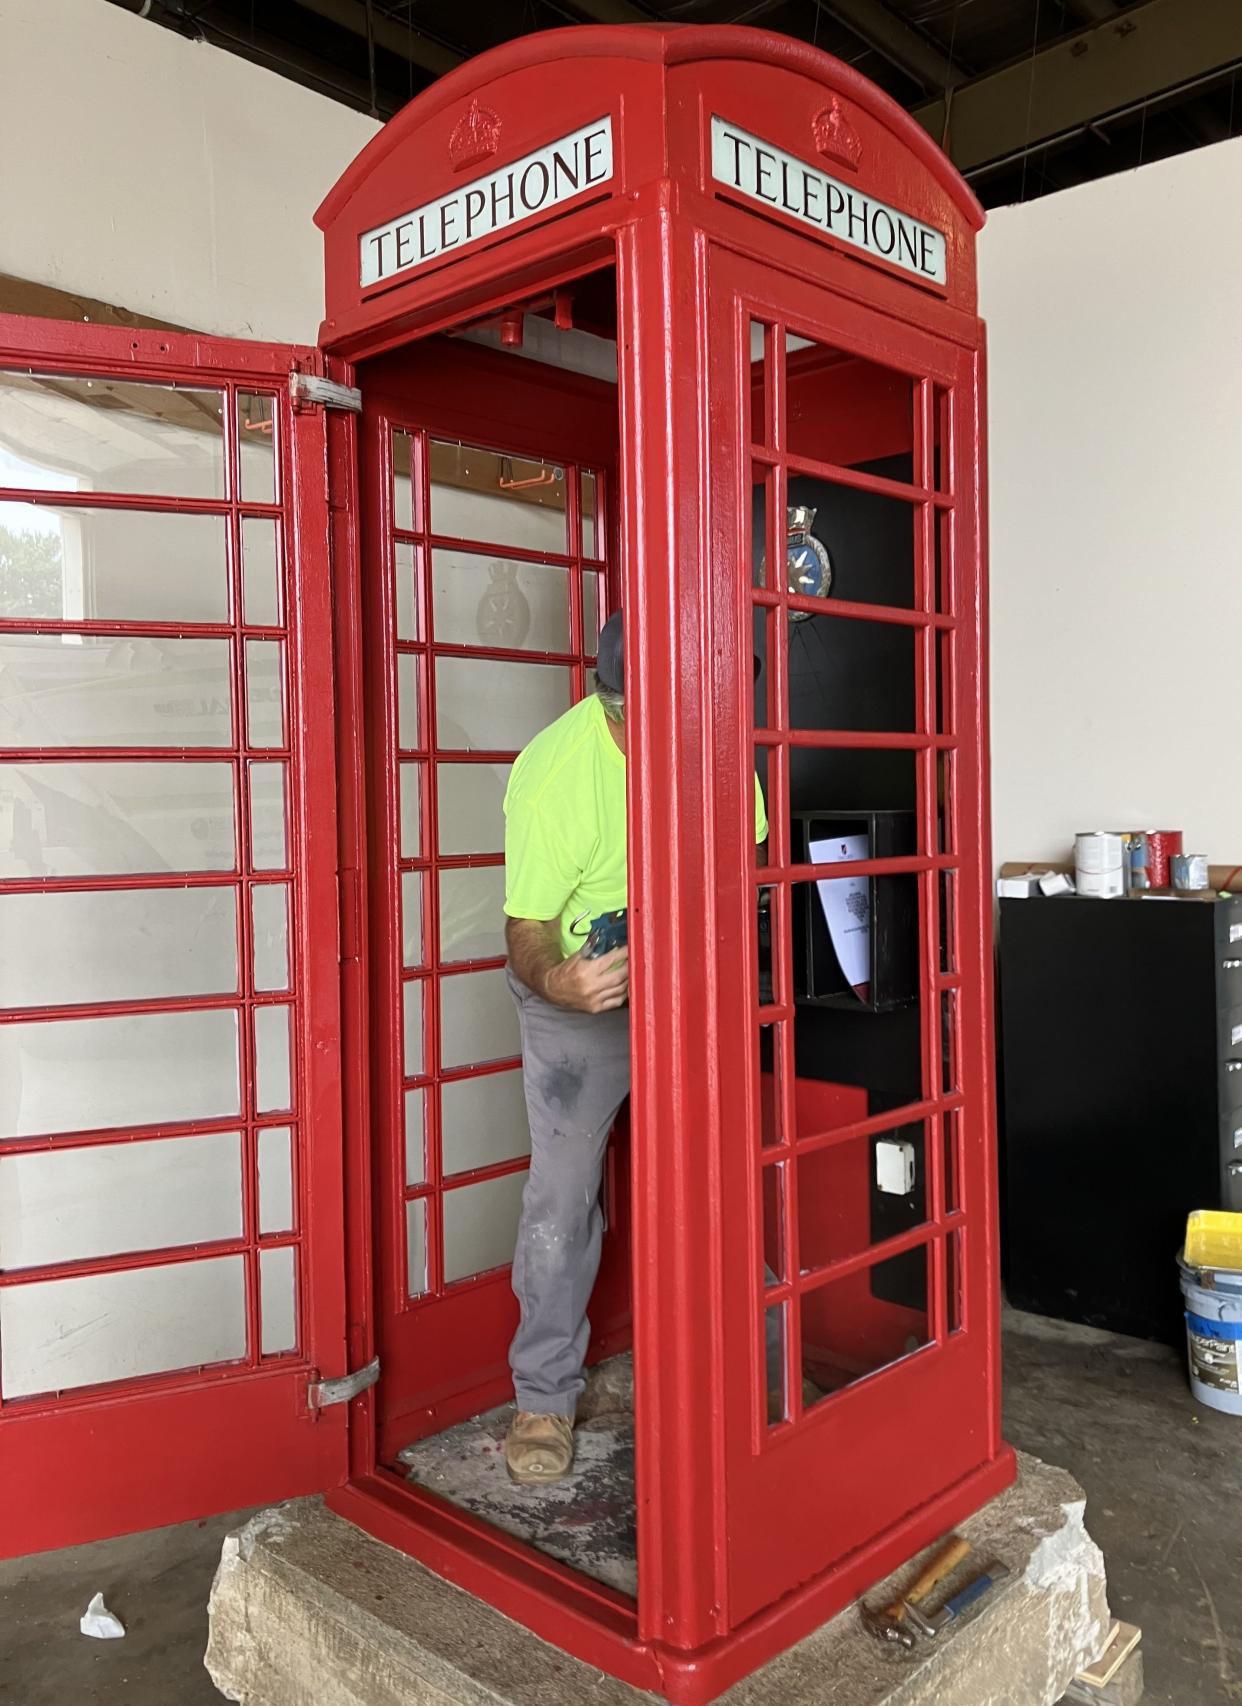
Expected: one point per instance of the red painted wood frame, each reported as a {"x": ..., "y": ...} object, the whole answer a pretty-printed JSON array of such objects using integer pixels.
[
  {"x": 181, "y": 1444},
  {"x": 443, "y": 1353},
  {"x": 713, "y": 1483}
]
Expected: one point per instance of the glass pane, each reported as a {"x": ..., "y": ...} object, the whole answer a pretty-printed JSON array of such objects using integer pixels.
[
  {"x": 66, "y": 1205},
  {"x": 592, "y": 537},
  {"x": 952, "y": 1125},
  {"x": 270, "y": 913},
  {"x": 407, "y": 701},
  {"x": 264, "y": 717},
  {"x": 115, "y": 819},
  {"x": 856, "y": 1194},
  {"x": 412, "y": 1027},
  {"x": 478, "y": 1019},
  {"x": 590, "y": 612},
  {"x": 256, "y": 441},
  {"x": 508, "y": 500},
  {"x": 942, "y": 462},
  {"x": 953, "y": 1281},
  {"x": 112, "y": 565},
  {"x": 842, "y": 408},
  {"x": 483, "y": 1121},
  {"x": 843, "y": 674},
  {"x": 275, "y": 1179},
  {"x": 775, "y": 1328},
  {"x": 116, "y": 945},
  {"x": 774, "y": 1222},
  {"x": 402, "y": 485},
  {"x": 110, "y": 435},
  {"x": 761, "y": 480},
  {"x": 411, "y": 918},
  {"x": 470, "y": 801},
  {"x": 267, "y": 817},
  {"x": 416, "y": 1247},
  {"x": 472, "y": 920},
  {"x": 771, "y": 1115},
  {"x": 760, "y": 395},
  {"x": 415, "y": 1137},
  {"x": 950, "y": 1042},
  {"x": 486, "y": 704},
  {"x": 411, "y": 776},
  {"x": 948, "y": 921},
  {"x": 867, "y": 540},
  {"x": 406, "y": 558},
  {"x": 480, "y": 1226},
  {"x": 278, "y": 1301},
  {"x": 133, "y": 1070},
  {"x": 67, "y": 1333},
  {"x": 860, "y": 1323},
  {"x": 946, "y": 720},
  {"x": 272, "y": 1080},
  {"x": 493, "y": 601},
  {"x": 260, "y": 571},
  {"x": 94, "y": 690},
  {"x": 943, "y": 533}
]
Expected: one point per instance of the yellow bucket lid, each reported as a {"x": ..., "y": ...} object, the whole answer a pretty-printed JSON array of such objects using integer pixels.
[{"x": 1213, "y": 1239}]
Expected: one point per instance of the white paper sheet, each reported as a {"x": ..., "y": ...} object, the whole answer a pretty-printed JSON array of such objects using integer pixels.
[{"x": 846, "y": 904}]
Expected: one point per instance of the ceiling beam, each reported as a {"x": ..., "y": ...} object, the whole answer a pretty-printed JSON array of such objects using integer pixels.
[
  {"x": 395, "y": 38},
  {"x": 873, "y": 23},
  {"x": 609, "y": 11},
  {"x": 1133, "y": 57}
]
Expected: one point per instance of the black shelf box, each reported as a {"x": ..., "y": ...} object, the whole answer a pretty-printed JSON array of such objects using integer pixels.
[{"x": 818, "y": 978}]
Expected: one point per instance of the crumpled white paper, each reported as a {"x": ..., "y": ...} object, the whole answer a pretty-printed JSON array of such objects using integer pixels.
[{"x": 97, "y": 1620}]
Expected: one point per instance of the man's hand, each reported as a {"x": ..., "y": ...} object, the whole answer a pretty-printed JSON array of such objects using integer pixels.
[
  {"x": 583, "y": 986},
  {"x": 590, "y": 986}
]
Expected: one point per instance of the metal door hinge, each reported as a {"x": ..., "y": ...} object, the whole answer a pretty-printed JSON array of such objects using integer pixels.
[
  {"x": 308, "y": 389},
  {"x": 321, "y": 1393}
]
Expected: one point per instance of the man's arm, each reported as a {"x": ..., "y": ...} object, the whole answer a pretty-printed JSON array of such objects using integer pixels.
[{"x": 584, "y": 986}]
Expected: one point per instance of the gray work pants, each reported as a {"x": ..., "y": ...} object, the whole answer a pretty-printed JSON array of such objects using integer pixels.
[{"x": 576, "y": 1071}]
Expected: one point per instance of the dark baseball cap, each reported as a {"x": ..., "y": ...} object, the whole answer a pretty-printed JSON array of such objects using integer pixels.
[{"x": 610, "y": 655}]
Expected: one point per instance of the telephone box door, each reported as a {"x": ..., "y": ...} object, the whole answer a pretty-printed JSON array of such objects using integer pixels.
[
  {"x": 171, "y": 1218},
  {"x": 845, "y": 499}
]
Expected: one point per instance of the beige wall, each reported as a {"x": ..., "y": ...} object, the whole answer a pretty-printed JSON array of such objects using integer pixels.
[
  {"x": 1115, "y": 325},
  {"x": 163, "y": 175}
]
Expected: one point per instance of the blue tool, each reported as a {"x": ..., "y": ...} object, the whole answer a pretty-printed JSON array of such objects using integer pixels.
[
  {"x": 958, "y": 1604},
  {"x": 608, "y": 932}
]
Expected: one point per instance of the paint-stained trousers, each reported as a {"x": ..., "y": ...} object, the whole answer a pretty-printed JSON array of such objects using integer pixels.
[{"x": 576, "y": 1069}]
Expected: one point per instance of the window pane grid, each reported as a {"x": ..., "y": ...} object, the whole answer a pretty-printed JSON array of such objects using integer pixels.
[
  {"x": 77, "y": 765},
  {"x": 412, "y": 528},
  {"x": 929, "y": 495}
]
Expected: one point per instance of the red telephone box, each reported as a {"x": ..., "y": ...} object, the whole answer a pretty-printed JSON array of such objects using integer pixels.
[{"x": 678, "y": 319}]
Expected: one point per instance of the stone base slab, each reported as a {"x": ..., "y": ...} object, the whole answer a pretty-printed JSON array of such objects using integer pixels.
[{"x": 308, "y": 1610}]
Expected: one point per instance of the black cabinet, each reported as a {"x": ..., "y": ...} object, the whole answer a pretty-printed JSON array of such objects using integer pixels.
[{"x": 1121, "y": 1041}]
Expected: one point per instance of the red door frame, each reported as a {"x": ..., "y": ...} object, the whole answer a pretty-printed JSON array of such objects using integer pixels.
[
  {"x": 443, "y": 1355},
  {"x": 244, "y": 1433}
]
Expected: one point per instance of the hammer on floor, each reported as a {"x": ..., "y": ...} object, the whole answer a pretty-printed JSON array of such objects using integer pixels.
[{"x": 890, "y": 1624}]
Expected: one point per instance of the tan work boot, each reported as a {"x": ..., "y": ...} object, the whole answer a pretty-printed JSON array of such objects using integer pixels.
[{"x": 539, "y": 1449}]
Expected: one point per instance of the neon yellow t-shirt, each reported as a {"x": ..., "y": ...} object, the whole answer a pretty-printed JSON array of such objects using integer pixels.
[{"x": 565, "y": 847}]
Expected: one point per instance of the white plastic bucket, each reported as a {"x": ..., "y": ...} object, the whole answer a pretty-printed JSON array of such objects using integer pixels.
[{"x": 1213, "y": 1299}]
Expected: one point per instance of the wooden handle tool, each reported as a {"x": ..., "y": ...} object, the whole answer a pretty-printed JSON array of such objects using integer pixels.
[{"x": 946, "y": 1560}]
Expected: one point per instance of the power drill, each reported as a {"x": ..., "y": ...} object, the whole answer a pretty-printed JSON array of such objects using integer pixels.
[{"x": 607, "y": 933}]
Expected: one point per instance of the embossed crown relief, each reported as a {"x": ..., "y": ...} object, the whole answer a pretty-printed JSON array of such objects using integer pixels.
[
  {"x": 476, "y": 137},
  {"x": 835, "y": 137}
]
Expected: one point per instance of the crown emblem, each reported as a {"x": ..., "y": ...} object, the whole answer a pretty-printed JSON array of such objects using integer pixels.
[
  {"x": 476, "y": 136},
  {"x": 835, "y": 136}
]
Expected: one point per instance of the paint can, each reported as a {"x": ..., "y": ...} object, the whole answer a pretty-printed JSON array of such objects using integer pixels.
[
  {"x": 1099, "y": 864},
  {"x": 1162, "y": 844},
  {"x": 1213, "y": 1302},
  {"x": 1134, "y": 857},
  {"x": 1189, "y": 872}
]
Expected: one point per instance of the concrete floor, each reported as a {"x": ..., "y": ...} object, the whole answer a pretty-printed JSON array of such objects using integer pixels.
[{"x": 1163, "y": 1481}]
